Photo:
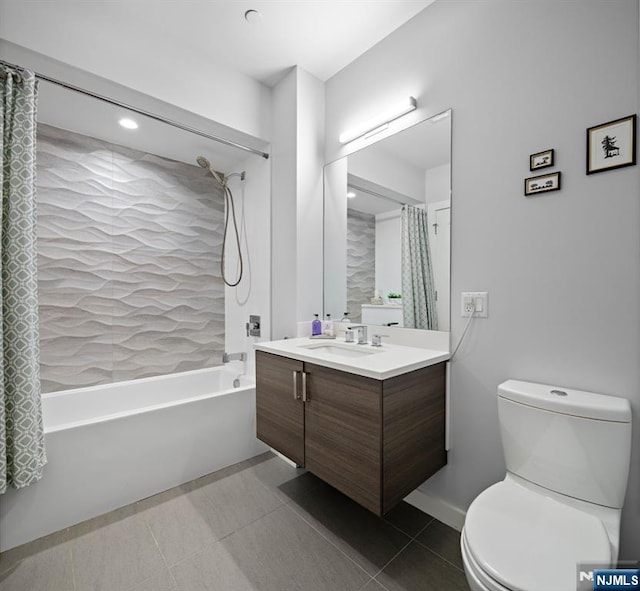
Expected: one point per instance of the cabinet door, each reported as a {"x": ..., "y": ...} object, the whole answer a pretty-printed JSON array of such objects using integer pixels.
[
  {"x": 413, "y": 431},
  {"x": 342, "y": 428},
  {"x": 279, "y": 406}
]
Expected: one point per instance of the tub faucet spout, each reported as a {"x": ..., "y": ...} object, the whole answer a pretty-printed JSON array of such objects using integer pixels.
[{"x": 226, "y": 357}]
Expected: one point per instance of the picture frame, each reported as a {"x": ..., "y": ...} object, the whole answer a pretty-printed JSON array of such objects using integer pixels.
[
  {"x": 542, "y": 183},
  {"x": 542, "y": 159},
  {"x": 611, "y": 145}
]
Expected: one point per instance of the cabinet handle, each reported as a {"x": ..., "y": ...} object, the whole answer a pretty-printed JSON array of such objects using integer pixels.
[
  {"x": 295, "y": 385},
  {"x": 305, "y": 397}
]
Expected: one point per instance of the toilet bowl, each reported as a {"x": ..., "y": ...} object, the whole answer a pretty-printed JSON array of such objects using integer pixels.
[{"x": 567, "y": 454}]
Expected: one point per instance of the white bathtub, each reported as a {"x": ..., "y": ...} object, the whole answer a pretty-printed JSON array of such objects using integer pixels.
[{"x": 108, "y": 446}]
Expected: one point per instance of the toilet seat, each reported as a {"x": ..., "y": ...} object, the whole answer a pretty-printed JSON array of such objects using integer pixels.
[{"x": 526, "y": 541}]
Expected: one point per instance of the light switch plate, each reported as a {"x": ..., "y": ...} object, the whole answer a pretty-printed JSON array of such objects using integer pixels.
[{"x": 474, "y": 298}]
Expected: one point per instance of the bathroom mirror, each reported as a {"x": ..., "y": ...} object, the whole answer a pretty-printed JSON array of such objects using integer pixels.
[{"x": 366, "y": 263}]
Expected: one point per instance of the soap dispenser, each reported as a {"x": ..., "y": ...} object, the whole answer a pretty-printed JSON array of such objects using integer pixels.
[
  {"x": 327, "y": 326},
  {"x": 345, "y": 318},
  {"x": 316, "y": 326}
]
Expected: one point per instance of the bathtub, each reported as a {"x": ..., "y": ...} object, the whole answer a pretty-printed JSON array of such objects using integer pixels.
[{"x": 108, "y": 446}]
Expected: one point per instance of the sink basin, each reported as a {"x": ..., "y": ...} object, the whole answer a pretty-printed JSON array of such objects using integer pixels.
[{"x": 341, "y": 350}]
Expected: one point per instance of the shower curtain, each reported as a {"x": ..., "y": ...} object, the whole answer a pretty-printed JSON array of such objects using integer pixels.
[
  {"x": 418, "y": 291},
  {"x": 22, "y": 453}
]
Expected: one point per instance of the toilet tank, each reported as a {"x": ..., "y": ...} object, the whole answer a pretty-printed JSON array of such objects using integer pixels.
[{"x": 572, "y": 442}]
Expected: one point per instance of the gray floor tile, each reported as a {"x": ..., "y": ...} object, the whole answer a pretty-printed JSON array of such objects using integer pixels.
[
  {"x": 48, "y": 570},
  {"x": 259, "y": 525},
  {"x": 9, "y": 559},
  {"x": 163, "y": 581},
  {"x": 283, "y": 479},
  {"x": 278, "y": 552},
  {"x": 237, "y": 500},
  {"x": 366, "y": 538},
  {"x": 211, "y": 509},
  {"x": 158, "y": 499},
  {"x": 443, "y": 540},
  {"x": 180, "y": 526},
  {"x": 116, "y": 556},
  {"x": 373, "y": 585},
  {"x": 408, "y": 518},
  {"x": 213, "y": 569},
  {"x": 419, "y": 569}
]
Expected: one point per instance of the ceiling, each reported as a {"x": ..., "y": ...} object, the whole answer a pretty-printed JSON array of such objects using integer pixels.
[{"x": 321, "y": 36}]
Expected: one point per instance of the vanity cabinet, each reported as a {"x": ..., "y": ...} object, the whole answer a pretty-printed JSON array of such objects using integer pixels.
[
  {"x": 279, "y": 406},
  {"x": 374, "y": 440}
]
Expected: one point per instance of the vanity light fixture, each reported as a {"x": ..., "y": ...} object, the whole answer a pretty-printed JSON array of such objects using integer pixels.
[
  {"x": 439, "y": 117},
  {"x": 128, "y": 123},
  {"x": 351, "y": 194},
  {"x": 379, "y": 122}
]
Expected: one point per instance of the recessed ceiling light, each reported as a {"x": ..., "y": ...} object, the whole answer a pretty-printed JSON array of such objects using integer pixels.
[
  {"x": 351, "y": 194},
  {"x": 252, "y": 16},
  {"x": 128, "y": 123}
]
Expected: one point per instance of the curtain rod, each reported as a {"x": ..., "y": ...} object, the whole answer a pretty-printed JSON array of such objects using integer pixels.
[
  {"x": 116, "y": 103},
  {"x": 408, "y": 201}
]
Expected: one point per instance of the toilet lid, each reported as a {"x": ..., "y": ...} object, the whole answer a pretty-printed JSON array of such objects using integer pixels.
[{"x": 529, "y": 542}]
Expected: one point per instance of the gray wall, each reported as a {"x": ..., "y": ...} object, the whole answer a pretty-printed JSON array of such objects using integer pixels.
[
  {"x": 562, "y": 269},
  {"x": 361, "y": 261},
  {"x": 129, "y": 253}
]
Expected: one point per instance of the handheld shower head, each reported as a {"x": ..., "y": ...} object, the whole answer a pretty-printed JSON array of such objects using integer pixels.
[
  {"x": 229, "y": 208},
  {"x": 202, "y": 161}
]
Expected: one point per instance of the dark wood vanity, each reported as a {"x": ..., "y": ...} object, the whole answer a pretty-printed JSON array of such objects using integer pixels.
[{"x": 374, "y": 440}]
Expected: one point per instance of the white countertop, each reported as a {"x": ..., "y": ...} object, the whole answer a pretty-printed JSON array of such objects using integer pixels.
[{"x": 381, "y": 363}]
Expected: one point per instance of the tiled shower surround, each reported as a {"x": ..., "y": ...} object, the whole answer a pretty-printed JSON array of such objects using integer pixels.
[
  {"x": 361, "y": 261},
  {"x": 129, "y": 263}
]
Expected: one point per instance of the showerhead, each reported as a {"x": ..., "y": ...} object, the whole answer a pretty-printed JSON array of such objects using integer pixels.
[{"x": 202, "y": 161}]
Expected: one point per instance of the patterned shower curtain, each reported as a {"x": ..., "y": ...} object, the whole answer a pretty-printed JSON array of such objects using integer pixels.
[
  {"x": 418, "y": 291},
  {"x": 22, "y": 454}
]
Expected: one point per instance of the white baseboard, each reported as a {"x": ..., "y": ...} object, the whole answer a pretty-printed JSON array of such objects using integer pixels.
[
  {"x": 436, "y": 507},
  {"x": 284, "y": 458}
]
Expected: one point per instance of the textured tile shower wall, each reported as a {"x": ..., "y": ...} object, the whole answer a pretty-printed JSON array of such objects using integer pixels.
[
  {"x": 361, "y": 261},
  {"x": 129, "y": 263}
]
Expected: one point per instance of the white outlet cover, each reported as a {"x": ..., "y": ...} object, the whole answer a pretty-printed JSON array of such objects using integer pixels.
[{"x": 479, "y": 298}]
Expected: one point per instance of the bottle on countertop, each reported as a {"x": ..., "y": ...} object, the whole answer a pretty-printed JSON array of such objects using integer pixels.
[
  {"x": 345, "y": 318},
  {"x": 327, "y": 326},
  {"x": 316, "y": 326}
]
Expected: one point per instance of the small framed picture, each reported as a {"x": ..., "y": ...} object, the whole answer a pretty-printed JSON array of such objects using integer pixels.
[
  {"x": 542, "y": 184},
  {"x": 611, "y": 145},
  {"x": 541, "y": 160}
]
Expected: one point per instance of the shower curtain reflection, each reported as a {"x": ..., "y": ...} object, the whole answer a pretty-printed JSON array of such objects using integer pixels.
[{"x": 418, "y": 291}]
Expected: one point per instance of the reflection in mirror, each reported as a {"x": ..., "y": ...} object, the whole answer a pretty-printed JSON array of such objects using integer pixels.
[{"x": 387, "y": 229}]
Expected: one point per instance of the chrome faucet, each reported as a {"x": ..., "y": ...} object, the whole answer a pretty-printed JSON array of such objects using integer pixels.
[
  {"x": 376, "y": 340},
  {"x": 362, "y": 333},
  {"x": 226, "y": 357}
]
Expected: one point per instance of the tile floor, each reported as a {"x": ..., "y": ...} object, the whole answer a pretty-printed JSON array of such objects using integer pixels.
[{"x": 259, "y": 525}]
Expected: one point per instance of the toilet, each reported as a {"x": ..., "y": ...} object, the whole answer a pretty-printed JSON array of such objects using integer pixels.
[{"x": 567, "y": 454}]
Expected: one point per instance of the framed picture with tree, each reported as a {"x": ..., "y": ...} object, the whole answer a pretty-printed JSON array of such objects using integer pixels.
[{"x": 611, "y": 145}]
